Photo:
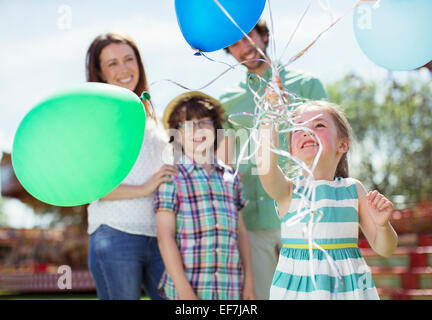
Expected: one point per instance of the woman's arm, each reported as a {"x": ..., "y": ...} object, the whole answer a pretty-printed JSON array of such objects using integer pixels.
[
  {"x": 166, "y": 231},
  {"x": 375, "y": 211},
  {"x": 245, "y": 256},
  {"x": 125, "y": 191}
]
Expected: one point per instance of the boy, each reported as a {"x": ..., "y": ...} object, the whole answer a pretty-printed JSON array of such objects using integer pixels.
[{"x": 200, "y": 229}]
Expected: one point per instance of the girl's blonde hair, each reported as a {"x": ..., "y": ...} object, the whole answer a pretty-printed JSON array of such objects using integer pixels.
[{"x": 342, "y": 125}]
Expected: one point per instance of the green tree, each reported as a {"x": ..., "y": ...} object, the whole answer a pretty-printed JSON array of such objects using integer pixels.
[{"x": 392, "y": 124}]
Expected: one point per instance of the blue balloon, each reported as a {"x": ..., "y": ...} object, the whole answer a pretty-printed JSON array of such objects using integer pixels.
[
  {"x": 395, "y": 35},
  {"x": 206, "y": 27}
]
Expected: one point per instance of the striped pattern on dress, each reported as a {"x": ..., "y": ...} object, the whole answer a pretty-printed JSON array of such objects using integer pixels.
[{"x": 337, "y": 229}]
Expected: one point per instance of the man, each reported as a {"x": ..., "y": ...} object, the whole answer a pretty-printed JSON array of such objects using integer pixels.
[{"x": 259, "y": 215}]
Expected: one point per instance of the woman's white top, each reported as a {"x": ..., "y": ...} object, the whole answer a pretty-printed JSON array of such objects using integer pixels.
[{"x": 135, "y": 216}]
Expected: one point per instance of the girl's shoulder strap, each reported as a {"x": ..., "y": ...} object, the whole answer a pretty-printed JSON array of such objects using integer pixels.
[
  {"x": 352, "y": 186},
  {"x": 347, "y": 181}
]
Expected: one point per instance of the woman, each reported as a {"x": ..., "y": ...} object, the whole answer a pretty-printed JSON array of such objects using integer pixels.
[{"x": 123, "y": 251}]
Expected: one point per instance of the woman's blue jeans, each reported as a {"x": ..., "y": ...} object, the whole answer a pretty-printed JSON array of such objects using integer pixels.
[{"x": 121, "y": 262}]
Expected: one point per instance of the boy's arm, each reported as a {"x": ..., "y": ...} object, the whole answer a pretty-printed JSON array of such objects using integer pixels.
[
  {"x": 245, "y": 256},
  {"x": 374, "y": 216},
  {"x": 166, "y": 230}
]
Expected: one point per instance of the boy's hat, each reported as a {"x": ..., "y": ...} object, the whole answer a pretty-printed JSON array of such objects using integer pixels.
[{"x": 185, "y": 96}]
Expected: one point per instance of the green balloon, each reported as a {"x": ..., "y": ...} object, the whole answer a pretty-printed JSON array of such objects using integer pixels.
[{"x": 79, "y": 144}]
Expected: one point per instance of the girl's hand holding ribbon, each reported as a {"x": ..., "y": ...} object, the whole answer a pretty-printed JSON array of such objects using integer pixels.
[{"x": 272, "y": 96}]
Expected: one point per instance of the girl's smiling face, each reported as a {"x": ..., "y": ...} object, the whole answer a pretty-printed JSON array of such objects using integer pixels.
[{"x": 305, "y": 145}]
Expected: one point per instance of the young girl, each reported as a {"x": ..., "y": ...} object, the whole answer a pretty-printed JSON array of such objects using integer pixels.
[
  {"x": 343, "y": 201},
  {"x": 202, "y": 237}
]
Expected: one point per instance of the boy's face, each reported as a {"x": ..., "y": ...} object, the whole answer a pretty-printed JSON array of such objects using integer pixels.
[{"x": 198, "y": 137}]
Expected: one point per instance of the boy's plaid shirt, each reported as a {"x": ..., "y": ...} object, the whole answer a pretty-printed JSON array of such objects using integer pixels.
[{"x": 206, "y": 208}]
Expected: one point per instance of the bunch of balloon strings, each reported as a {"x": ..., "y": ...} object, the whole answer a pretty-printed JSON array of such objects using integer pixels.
[{"x": 281, "y": 115}]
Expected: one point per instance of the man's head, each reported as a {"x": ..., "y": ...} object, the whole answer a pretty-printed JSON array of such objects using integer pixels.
[{"x": 243, "y": 50}]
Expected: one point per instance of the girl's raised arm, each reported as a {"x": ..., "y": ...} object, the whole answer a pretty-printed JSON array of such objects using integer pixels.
[{"x": 273, "y": 180}]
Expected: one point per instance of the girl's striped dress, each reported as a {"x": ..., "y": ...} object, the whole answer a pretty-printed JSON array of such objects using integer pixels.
[{"x": 337, "y": 233}]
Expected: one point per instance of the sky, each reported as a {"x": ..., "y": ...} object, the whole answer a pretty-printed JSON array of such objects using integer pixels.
[
  {"x": 44, "y": 45},
  {"x": 44, "y": 42}
]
